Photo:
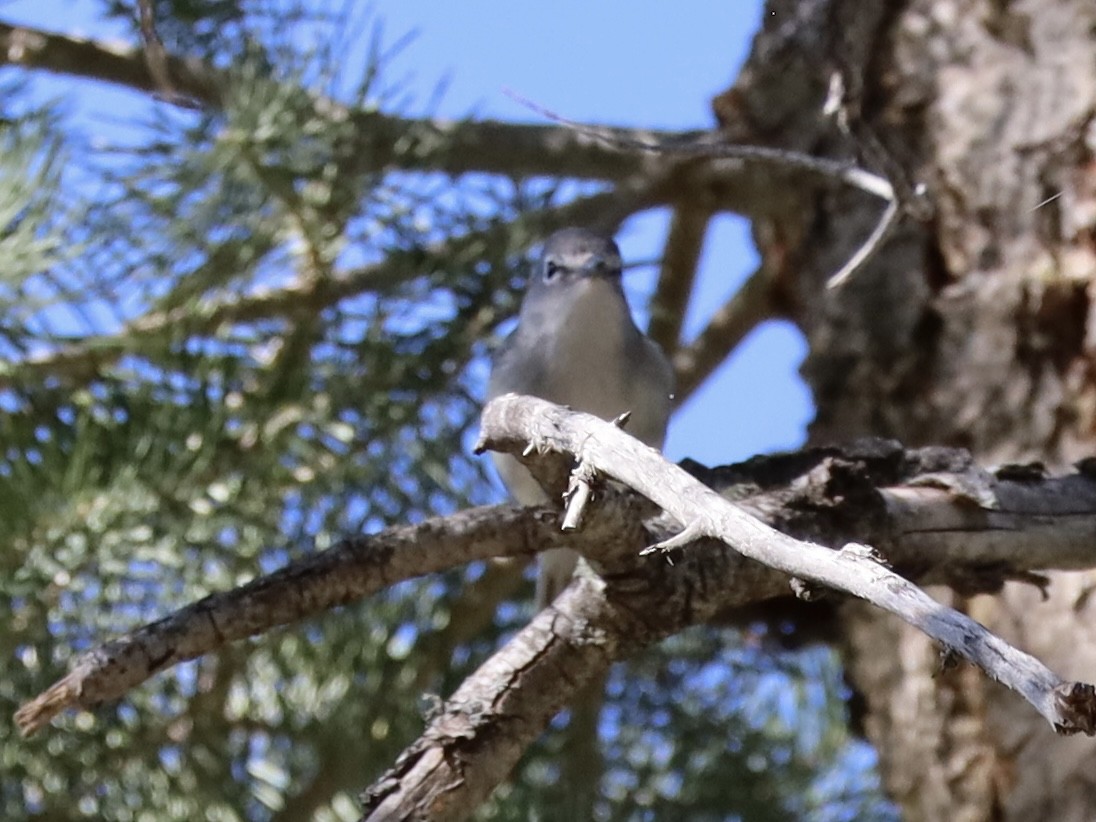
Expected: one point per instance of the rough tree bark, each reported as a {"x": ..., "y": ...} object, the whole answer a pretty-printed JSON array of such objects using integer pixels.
[{"x": 972, "y": 328}]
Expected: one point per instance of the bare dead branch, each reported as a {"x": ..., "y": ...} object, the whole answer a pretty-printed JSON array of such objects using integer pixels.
[
  {"x": 933, "y": 511},
  {"x": 509, "y": 422},
  {"x": 470, "y": 747},
  {"x": 711, "y": 146}
]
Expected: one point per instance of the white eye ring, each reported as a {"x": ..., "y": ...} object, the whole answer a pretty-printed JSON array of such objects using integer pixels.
[{"x": 551, "y": 269}]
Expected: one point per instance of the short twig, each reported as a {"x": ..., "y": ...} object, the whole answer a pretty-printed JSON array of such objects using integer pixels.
[
  {"x": 578, "y": 495},
  {"x": 881, "y": 232},
  {"x": 156, "y": 58},
  {"x": 580, "y": 486},
  {"x": 691, "y": 533}
]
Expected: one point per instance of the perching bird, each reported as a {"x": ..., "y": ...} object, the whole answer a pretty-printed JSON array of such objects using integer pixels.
[{"x": 576, "y": 344}]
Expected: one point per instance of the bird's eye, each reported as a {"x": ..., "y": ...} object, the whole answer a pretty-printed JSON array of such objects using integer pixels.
[{"x": 551, "y": 269}]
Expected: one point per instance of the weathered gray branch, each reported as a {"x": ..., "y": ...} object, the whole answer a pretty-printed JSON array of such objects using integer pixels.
[
  {"x": 479, "y": 734},
  {"x": 510, "y": 422}
]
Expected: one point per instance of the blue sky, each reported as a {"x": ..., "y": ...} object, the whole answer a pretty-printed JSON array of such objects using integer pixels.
[
  {"x": 613, "y": 62},
  {"x": 641, "y": 64}
]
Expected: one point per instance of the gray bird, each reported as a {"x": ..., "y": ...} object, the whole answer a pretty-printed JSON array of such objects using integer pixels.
[{"x": 576, "y": 344}]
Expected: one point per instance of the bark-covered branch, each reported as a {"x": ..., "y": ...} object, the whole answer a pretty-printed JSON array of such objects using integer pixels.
[
  {"x": 727, "y": 176},
  {"x": 933, "y": 513},
  {"x": 482, "y": 730},
  {"x": 479, "y": 733},
  {"x": 355, "y": 568},
  {"x": 680, "y": 257},
  {"x": 450, "y": 146},
  {"x": 352, "y": 570}
]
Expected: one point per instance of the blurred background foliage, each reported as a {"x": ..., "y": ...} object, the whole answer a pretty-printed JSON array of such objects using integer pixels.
[{"x": 228, "y": 341}]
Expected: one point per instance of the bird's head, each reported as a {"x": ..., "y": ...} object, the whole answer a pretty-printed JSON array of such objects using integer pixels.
[{"x": 573, "y": 255}]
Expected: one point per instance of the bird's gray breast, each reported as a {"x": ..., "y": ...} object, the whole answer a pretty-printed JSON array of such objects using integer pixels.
[{"x": 579, "y": 347}]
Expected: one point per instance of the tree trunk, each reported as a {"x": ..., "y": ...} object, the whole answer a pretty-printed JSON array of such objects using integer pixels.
[{"x": 971, "y": 328}]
